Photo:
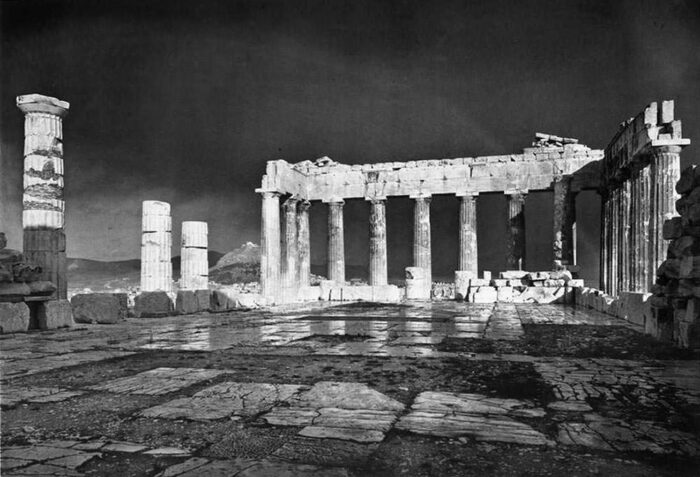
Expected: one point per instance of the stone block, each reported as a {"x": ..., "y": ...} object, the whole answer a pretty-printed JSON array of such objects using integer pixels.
[
  {"x": 673, "y": 228},
  {"x": 186, "y": 302},
  {"x": 505, "y": 294},
  {"x": 386, "y": 294},
  {"x": 14, "y": 318},
  {"x": 418, "y": 285},
  {"x": 513, "y": 274},
  {"x": 483, "y": 295},
  {"x": 104, "y": 308},
  {"x": 486, "y": 275},
  {"x": 554, "y": 283},
  {"x": 499, "y": 282},
  {"x": 575, "y": 283},
  {"x": 203, "y": 298},
  {"x": 538, "y": 276},
  {"x": 541, "y": 295},
  {"x": 634, "y": 307},
  {"x": 223, "y": 300},
  {"x": 310, "y": 293},
  {"x": 518, "y": 282},
  {"x": 479, "y": 282},
  {"x": 153, "y": 304},
  {"x": 54, "y": 314}
]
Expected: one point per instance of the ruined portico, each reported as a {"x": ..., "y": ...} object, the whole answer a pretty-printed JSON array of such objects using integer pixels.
[{"x": 551, "y": 163}]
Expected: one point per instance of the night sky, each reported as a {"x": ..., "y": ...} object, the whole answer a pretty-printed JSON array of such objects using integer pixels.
[{"x": 186, "y": 101}]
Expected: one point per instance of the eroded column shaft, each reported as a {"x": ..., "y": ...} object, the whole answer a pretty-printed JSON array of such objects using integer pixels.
[
  {"x": 624, "y": 236},
  {"x": 468, "y": 250},
  {"x": 336, "y": 242},
  {"x": 564, "y": 219},
  {"x": 291, "y": 250},
  {"x": 43, "y": 201},
  {"x": 194, "y": 262},
  {"x": 421, "y": 236},
  {"x": 515, "y": 260},
  {"x": 270, "y": 245},
  {"x": 665, "y": 172},
  {"x": 303, "y": 243},
  {"x": 156, "y": 243},
  {"x": 604, "y": 237},
  {"x": 377, "y": 243},
  {"x": 647, "y": 274}
]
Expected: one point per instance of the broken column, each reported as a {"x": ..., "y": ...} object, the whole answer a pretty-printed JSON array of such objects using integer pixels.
[
  {"x": 421, "y": 236},
  {"x": 304, "y": 243},
  {"x": 564, "y": 219},
  {"x": 468, "y": 250},
  {"x": 515, "y": 260},
  {"x": 156, "y": 242},
  {"x": 289, "y": 271},
  {"x": 270, "y": 245},
  {"x": 193, "y": 295},
  {"x": 377, "y": 243},
  {"x": 43, "y": 201},
  {"x": 336, "y": 243}
]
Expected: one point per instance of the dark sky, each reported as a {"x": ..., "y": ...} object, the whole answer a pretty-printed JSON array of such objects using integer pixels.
[{"x": 186, "y": 101}]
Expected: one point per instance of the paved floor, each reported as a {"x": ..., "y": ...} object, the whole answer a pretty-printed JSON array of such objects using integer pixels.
[{"x": 358, "y": 389}]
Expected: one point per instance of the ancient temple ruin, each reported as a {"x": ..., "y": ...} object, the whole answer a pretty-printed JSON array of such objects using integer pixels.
[{"x": 634, "y": 175}]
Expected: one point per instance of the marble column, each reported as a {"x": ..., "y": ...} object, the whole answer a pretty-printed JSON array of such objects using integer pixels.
[
  {"x": 604, "y": 239},
  {"x": 156, "y": 244},
  {"x": 665, "y": 172},
  {"x": 336, "y": 242},
  {"x": 647, "y": 275},
  {"x": 291, "y": 251},
  {"x": 515, "y": 260},
  {"x": 270, "y": 245},
  {"x": 421, "y": 236},
  {"x": 633, "y": 264},
  {"x": 43, "y": 200},
  {"x": 468, "y": 250},
  {"x": 377, "y": 243},
  {"x": 194, "y": 260},
  {"x": 564, "y": 219},
  {"x": 615, "y": 247},
  {"x": 625, "y": 190},
  {"x": 303, "y": 243}
]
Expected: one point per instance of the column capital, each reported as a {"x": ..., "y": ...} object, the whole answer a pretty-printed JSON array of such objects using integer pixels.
[
  {"x": 514, "y": 193},
  {"x": 666, "y": 148},
  {"x": 290, "y": 205},
  {"x": 268, "y": 194},
  {"x": 303, "y": 205},
  {"x": 38, "y": 103}
]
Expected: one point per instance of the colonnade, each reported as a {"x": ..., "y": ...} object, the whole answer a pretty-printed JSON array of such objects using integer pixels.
[{"x": 285, "y": 261}]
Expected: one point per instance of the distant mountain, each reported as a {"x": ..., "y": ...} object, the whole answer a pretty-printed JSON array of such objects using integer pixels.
[
  {"x": 241, "y": 265},
  {"x": 249, "y": 252}
]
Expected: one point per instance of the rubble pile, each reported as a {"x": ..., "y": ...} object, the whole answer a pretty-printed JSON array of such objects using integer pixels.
[
  {"x": 676, "y": 300},
  {"x": 518, "y": 286}
]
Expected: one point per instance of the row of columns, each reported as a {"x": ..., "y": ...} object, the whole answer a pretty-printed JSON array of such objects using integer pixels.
[
  {"x": 287, "y": 269},
  {"x": 633, "y": 211}
]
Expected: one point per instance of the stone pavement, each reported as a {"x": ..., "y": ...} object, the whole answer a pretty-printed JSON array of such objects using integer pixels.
[{"x": 355, "y": 389}]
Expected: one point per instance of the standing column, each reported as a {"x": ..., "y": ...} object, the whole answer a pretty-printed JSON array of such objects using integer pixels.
[
  {"x": 303, "y": 243},
  {"x": 515, "y": 259},
  {"x": 42, "y": 215},
  {"x": 625, "y": 235},
  {"x": 604, "y": 239},
  {"x": 156, "y": 243},
  {"x": 633, "y": 232},
  {"x": 270, "y": 245},
  {"x": 377, "y": 243},
  {"x": 468, "y": 250},
  {"x": 289, "y": 275},
  {"x": 421, "y": 237},
  {"x": 615, "y": 241},
  {"x": 665, "y": 172},
  {"x": 194, "y": 262},
  {"x": 564, "y": 219},
  {"x": 336, "y": 242},
  {"x": 647, "y": 274}
]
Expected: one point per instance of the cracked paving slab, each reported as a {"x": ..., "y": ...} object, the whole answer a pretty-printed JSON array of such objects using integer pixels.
[
  {"x": 12, "y": 395},
  {"x": 158, "y": 381},
  {"x": 197, "y": 466},
  {"x": 481, "y": 417},
  {"x": 43, "y": 460},
  {"x": 225, "y": 400}
]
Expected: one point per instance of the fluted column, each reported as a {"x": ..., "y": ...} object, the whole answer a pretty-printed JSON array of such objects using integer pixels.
[
  {"x": 291, "y": 251},
  {"x": 604, "y": 240},
  {"x": 303, "y": 243},
  {"x": 624, "y": 235},
  {"x": 194, "y": 261},
  {"x": 647, "y": 274},
  {"x": 336, "y": 242},
  {"x": 564, "y": 219},
  {"x": 515, "y": 260},
  {"x": 156, "y": 244},
  {"x": 421, "y": 236},
  {"x": 377, "y": 243},
  {"x": 468, "y": 250},
  {"x": 633, "y": 263},
  {"x": 665, "y": 172},
  {"x": 270, "y": 245},
  {"x": 43, "y": 201},
  {"x": 615, "y": 242}
]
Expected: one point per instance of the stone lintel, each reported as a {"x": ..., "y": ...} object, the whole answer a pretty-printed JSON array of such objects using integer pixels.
[
  {"x": 466, "y": 193},
  {"x": 38, "y": 103},
  {"x": 264, "y": 191},
  {"x": 420, "y": 195},
  {"x": 376, "y": 198},
  {"x": 670, "y": 142},
  {"x": 515, "y": 192},
  {"x": 333, "y": 200}
]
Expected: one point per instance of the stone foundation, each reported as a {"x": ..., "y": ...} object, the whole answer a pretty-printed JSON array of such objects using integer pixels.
[
  {"x": 102, "y": 308},
  {"x": 14, "y": 318},
  {"x": 153, "y": 305}
]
